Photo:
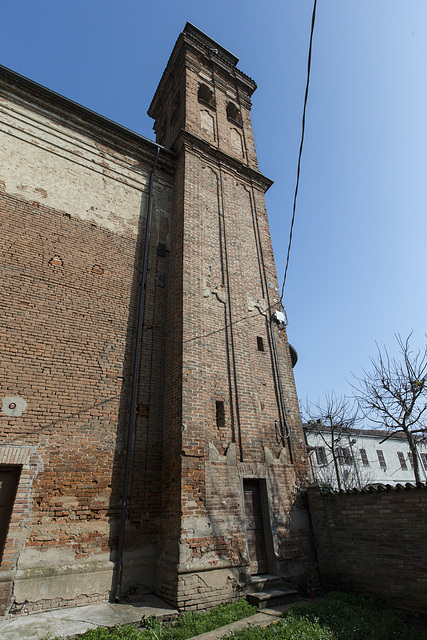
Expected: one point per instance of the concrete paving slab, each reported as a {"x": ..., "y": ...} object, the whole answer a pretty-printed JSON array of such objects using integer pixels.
[
  {"x": 68, "y": 622},
  {"x": 99, "y": 614},
  {"x": 257, "y": 620},
  {"x": 41, "y": 625}
]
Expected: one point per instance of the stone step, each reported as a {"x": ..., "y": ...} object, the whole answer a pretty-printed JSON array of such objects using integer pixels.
[
  {"x": 272, "y": 597},
  {"x": 266, "y": 582}
]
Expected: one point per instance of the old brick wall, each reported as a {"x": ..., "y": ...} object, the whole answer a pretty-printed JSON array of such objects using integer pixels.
[
  {"x": 72, "y": 231},
  {"x": 73, "y": 198},
  {"x": 223, "y": 262},
  {"x": 373, "y": 542}
]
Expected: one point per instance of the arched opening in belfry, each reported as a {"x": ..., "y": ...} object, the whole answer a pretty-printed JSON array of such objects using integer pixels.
[{"x": 206, "y": 95}]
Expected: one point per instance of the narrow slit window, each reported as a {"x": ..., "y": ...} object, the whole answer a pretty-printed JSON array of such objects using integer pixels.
[
  {"x": 220, "y": 414},
  {"x": 260, "y": 343}
]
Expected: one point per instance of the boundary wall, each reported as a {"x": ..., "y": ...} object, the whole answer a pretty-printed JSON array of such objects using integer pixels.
[{"x": 373, "y": 542}]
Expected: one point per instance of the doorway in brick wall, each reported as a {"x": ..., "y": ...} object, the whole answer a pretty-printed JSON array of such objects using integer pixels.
[
  {"x": 9, "y": 478},
  {"x": 255, "y": 526}
]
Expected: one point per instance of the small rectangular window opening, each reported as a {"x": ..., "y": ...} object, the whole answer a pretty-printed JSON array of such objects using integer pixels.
[
  {"x": 260, "y": 343},
  {"x": 411, "y": 459},
  {"x": 220, "y": 414},
  {"x": 161, "y": 280}
]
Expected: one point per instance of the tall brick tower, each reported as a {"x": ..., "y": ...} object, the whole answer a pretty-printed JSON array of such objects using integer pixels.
[{"x": 233, "y": 444}]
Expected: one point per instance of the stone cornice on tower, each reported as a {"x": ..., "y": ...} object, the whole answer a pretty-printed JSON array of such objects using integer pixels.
[{"x": 195, "y": 144}]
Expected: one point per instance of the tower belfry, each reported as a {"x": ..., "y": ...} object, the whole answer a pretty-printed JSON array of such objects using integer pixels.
[{"x": 233, "y": 444}]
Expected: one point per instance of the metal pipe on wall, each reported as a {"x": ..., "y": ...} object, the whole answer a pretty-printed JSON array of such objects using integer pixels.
[{"x": 283, "y": 436}]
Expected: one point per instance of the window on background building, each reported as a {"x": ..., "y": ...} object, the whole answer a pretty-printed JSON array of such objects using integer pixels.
[
  {"x": 424, "y": 460},
  {"x": 344, "y": 455},
  {"x": 411, "y": 459},
  {"x": 260, "y": 343},
  {"x": 402, "y": 460},
  {"x": 381, "y": 459},
  {"x": 320, "y": 456},
  {"x": 364, "y": 458},
  {"x": 348, "y": 458}
]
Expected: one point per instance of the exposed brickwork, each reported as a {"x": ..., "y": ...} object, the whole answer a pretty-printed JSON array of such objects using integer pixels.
[
  {"x": 373, "y": 542},
  {"x": 67, "y": 343},
  {"x": 73, "y": 233},
  {"x": 223, "y": 260}
]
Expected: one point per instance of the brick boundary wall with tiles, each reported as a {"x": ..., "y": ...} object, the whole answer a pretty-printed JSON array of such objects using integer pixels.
[{"x": 373, "y": 542}]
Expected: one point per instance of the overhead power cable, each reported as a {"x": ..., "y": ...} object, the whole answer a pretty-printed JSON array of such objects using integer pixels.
[{"x": 313, "y": 19}]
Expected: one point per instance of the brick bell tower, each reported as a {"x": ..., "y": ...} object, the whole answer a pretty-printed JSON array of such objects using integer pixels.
[{"x": 234, "y": 449}]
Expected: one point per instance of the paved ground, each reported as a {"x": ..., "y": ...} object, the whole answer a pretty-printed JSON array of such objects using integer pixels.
[{"x": 69, "y": 622}]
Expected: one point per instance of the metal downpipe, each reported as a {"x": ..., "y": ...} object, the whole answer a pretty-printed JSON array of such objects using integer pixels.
[{"x": 282, "y": 436}]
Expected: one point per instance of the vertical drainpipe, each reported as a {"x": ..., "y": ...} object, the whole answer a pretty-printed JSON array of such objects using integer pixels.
[
  {"x": 133, "y": 394},
  {"x": 283, "y": 436}
]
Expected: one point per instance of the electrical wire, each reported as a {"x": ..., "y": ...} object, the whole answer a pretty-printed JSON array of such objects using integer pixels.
[
  {"x": 231, "y": 324},
  {"x": 313, "y": 19}
]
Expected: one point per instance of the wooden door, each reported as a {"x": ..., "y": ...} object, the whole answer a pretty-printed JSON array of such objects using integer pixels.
[
  {"x": 255, "y": 527},
  {"x": 9, "y": 478}
]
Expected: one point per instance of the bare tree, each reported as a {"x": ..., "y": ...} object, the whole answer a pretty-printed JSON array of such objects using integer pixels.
[
  {"x": 394, "y": 395},
  {"x": 332, "y": 422}
]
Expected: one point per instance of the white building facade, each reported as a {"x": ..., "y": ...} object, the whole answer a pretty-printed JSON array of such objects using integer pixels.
[{"x": 355, "y": 458}]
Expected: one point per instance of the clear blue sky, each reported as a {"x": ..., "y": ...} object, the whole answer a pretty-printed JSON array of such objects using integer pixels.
[{"x": 358, "y": 263}]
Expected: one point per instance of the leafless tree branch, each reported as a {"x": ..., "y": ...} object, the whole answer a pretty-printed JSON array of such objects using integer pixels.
[{"x": 393, "y": 394}]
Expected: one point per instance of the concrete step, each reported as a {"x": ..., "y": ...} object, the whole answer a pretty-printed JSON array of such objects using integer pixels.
[
  {"x": 266, "y": 582},
  {"x": 272, "y": 597}
]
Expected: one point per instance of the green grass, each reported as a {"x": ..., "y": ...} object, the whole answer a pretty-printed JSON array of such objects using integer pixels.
[
  {"x": 289, "y": 628},
  {"x": 338, "y": 616},
  {"x": 186, "y": 626},
  {"x": 353, "y": 617}
]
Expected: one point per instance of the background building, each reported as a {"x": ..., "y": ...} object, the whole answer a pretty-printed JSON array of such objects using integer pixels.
[
  {"x": 150, "y": 429},
  {"x": 363, "y": 456}
]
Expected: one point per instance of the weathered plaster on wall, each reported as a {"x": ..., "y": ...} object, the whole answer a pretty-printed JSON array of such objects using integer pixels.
[{"x": 69, "y": 171}]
